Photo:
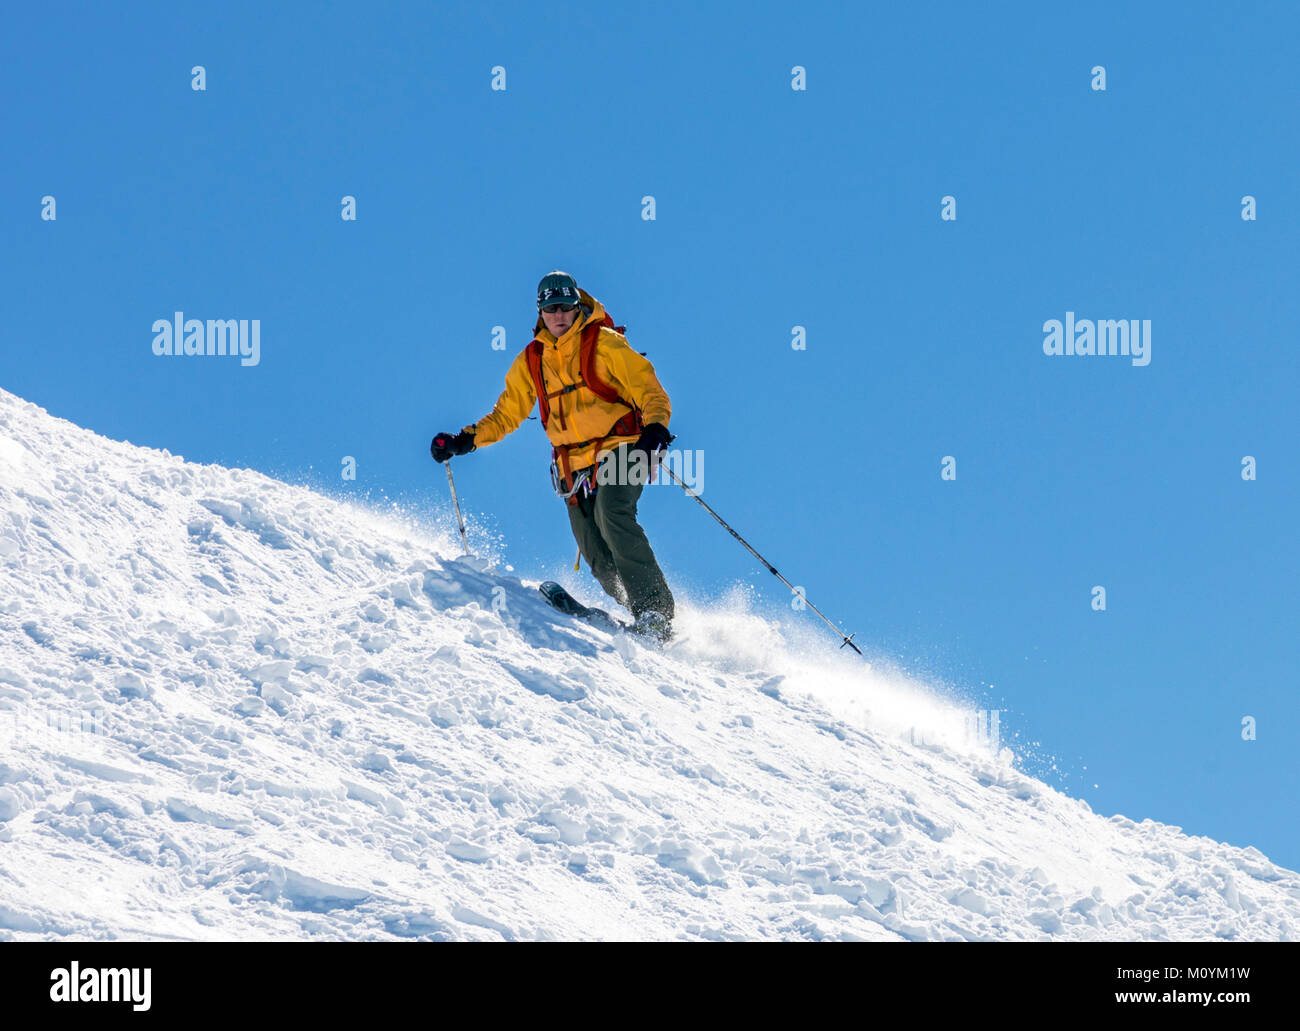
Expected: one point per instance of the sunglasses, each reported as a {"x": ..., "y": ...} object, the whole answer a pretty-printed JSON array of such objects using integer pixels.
[{"x": 551, "y": 309}]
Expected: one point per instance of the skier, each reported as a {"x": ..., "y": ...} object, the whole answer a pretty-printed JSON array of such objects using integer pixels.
[{"x": 606, "y": 414}]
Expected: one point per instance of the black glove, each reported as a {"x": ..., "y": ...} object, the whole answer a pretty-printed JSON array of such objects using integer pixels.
[
  {"x": 447, "y": 445},
  {"x": 653, "y": 437}
]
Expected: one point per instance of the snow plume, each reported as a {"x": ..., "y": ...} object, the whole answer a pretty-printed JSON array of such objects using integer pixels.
[
  {"x": 797, "y": 655},
  {"x": 235, "y": 709}
]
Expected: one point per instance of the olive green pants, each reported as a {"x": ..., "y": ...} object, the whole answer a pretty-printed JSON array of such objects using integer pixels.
[{"x": 617, "y": 549}]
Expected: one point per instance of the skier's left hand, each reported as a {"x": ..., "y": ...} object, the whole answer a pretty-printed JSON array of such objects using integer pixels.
[{"x": 653, "y": 438}]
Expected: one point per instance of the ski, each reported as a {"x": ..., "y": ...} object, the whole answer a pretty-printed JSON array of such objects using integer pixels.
[{"x": 561, "y": 600}]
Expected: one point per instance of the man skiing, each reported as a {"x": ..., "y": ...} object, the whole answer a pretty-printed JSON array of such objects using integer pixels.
[{"x": 606, "y": 414}]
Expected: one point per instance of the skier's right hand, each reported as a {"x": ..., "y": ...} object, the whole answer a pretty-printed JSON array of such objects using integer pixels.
[{"x": 448, "y": 445}]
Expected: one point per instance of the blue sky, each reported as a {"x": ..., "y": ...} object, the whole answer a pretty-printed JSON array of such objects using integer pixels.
[{"x": 775, "y": 208}]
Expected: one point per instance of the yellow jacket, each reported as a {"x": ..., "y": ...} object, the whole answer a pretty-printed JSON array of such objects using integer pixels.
[{"x": 578, "y": 415}]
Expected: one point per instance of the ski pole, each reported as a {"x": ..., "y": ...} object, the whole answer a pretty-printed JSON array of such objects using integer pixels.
[
  {"x": 848, "y": 639},
  {"x": 460, "y": 521}
]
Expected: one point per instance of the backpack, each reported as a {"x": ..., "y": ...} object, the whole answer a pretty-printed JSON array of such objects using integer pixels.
[{"x": 625, "y": 426}]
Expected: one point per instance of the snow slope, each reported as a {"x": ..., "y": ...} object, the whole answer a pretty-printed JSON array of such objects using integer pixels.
[{"x": 236, "y": 709}]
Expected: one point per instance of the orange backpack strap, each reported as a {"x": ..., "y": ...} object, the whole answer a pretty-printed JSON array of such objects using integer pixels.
[
  {"x": 587, "y": 361},
  {"x": 539, "y": 385},
  {"x": 629, "y": 424}
]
